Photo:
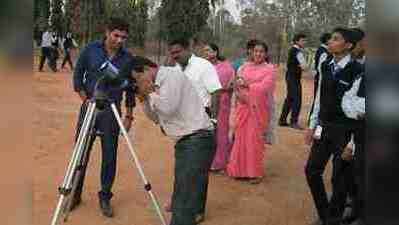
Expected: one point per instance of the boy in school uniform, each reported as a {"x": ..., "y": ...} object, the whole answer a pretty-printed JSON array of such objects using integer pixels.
[{"x": 330, "y": 130}]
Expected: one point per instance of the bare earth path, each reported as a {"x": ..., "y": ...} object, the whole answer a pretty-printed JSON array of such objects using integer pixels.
[{"x": 282, "y": 199}]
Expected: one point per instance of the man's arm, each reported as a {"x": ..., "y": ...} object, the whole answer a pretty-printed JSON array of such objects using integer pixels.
[
  {"x": 314, "y": 115},
  {"x": 302, "y": 62},
  {"x": 210, "y": 79},
  {"x": 78, "y": 74},
  {"x": 149, "y": 111},
  {"x": 166, "y": 101}
]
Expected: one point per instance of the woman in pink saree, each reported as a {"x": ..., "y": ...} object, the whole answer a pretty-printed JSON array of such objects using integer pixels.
[
  {"x": 255, "y": 82},
  {"x": 226, "y": 73}
]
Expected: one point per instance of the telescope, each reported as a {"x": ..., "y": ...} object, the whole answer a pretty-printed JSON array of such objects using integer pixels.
[{"x": 110, "y": 78}]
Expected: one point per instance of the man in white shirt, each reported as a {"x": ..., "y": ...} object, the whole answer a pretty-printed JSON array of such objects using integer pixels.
[
  {"x": 200, "y": 71},
  {"x": 172, "y": 102},
  {"x": 46, "y": 52}
]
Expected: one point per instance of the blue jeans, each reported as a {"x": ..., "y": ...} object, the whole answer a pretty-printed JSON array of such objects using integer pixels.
[{"x": 107, "y": 126}]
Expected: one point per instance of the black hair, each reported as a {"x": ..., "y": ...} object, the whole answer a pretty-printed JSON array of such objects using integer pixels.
[
  {"x": 181, "y": 41},
  {"x": 116, "y": 23},
  {"x": 139, "y": 62},
  {"x": 215, "y": 48},
  {"x": 325, "y": 37},
  {"x": 348, "y": 35},
  {"x": 358, "y": 34},
  {"x": 298, "y": 37},
  {"x": 251, "y": 44}
]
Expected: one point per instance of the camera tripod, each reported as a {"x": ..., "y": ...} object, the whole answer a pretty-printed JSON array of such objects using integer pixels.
[{"x": 80, "y": 150}]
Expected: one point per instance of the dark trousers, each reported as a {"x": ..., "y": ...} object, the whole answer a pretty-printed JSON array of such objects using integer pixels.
[
  {"x": 67, "y": 58},
  {"x": 107, "y": 128},
  {"x": 359, "y": 172},
  {"x": 47, "y": 53},
  {"x": 193, "y": 159},
  {"x": 332, "y": 142},
  {"x": 293, "y": 101}
]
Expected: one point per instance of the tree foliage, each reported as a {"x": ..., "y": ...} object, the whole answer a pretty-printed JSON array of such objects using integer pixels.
[
  {"x": 136, "y": 13},
  {"x": 183, "y": 18},
  {"x": 57, "y": 16}
]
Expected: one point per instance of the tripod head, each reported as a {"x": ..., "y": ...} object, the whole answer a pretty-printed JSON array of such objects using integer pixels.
[{"x": 112, "y": 78}]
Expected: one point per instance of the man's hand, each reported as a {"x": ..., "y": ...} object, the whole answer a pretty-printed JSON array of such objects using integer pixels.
[
  {"x": 127, "y": 122},
  {"x": 145, "y": 85},
  {"x": 169, "y": 61},
  {"x": 82, "y": 96},
  {"x": 347, "y": 154},
  {"x": 309, "y": 136}
]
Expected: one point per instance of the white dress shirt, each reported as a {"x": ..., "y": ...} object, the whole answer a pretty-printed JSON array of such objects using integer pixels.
[
  {"x": 301, "y": 58},
  {"x": 176, "y": 106},
  {"x": 46, "y": 39},
  {"x": 204, "y": 77}
]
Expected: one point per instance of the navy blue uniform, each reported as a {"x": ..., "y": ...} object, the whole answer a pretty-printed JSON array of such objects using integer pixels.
[{"x": 84, "y": 79}]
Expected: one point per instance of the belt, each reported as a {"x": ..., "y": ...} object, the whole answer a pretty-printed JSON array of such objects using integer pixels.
[{"x": 195, "y": 133}]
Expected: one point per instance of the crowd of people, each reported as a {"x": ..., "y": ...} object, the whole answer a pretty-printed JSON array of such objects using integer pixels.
[
  {"x": 221, "y": 115},
  {"x": 51, "y": 44}
]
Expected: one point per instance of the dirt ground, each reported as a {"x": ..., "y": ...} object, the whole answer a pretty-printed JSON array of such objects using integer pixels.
[{"x": 282, "y": 199}]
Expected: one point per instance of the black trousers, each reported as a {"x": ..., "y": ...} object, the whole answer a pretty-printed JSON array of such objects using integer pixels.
[
  {"x": 293, "y": 101},
  {"x": 67, "y": 58},
  {"x": 107, "y": 128},
  {"x": 193, "y": 159},
  {"x": 332, "y": 142},
  {"x": 359, "y": 171},
  {"x": 47, "y": 53}
]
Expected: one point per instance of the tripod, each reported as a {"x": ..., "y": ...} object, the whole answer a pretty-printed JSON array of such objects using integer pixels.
[{"x": 74, "y": 169}]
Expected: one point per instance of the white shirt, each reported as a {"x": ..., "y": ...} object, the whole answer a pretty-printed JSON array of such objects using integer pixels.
[
  {"x": 353, "y": 105},
  {"x": 177, "y": 107},
  {"x": 46, "y": 39},
  {"x": 314, "y": 116},
  {"x": 204, "y": 77},
  {"x": 301, "y": 58}
]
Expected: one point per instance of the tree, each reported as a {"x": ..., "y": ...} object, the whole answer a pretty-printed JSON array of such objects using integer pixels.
[
  {"x": 183, "y": 18},
  {"x": 41, "y": 14},
  {"x": 92, "y": 17},
  {"x": 57, "y": 16}
]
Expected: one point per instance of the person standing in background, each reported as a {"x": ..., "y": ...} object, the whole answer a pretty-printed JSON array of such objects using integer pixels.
[
  {"x": 296, "y": 64},
  {"x": 254, "y": 83},
  {"x": 46, "y": 52},
  {"x": 68, "y": 44},
  {"x": 226, "y": 74}
]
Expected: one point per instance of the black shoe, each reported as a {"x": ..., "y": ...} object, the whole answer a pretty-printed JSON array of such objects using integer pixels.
[
  {"x": 296, "y": 126},
  {"x": 283, "y": 124},
  {"x": 106, "y": 208}
]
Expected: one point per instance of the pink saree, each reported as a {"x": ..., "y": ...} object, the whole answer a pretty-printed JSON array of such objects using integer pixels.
[
  {"x": 226, "y": 73},
  {"x": 251, "y": 118}
]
